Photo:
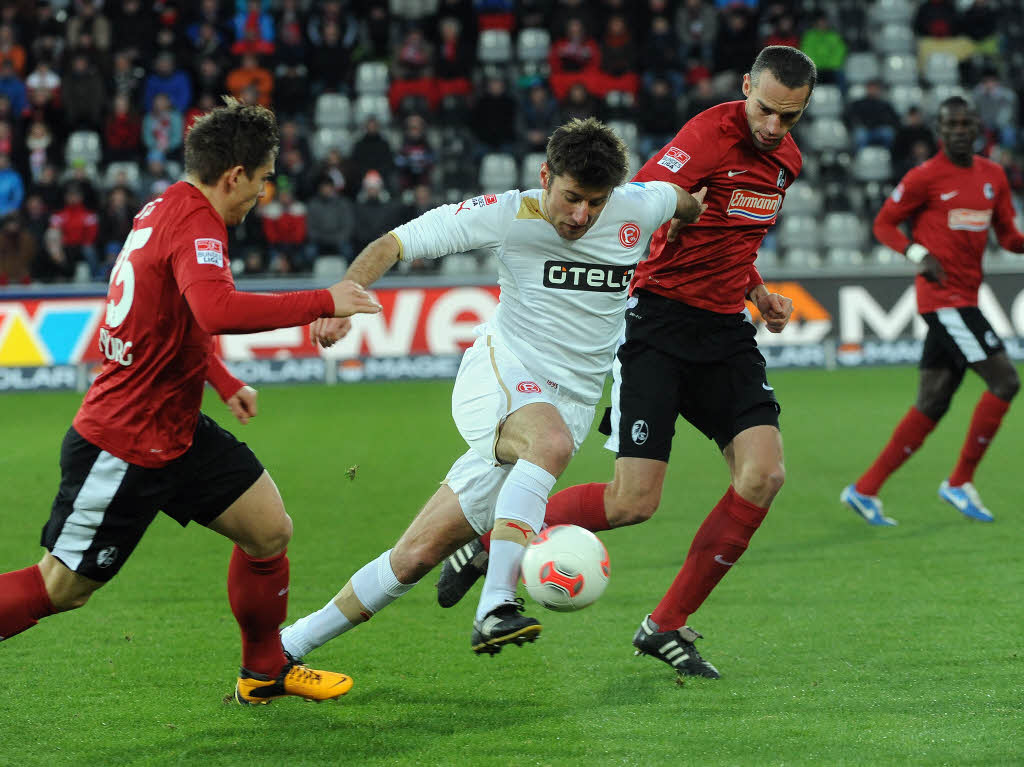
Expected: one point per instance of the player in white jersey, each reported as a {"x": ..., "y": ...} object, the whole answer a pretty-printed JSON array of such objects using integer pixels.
[{"x": 525, "y": 393}]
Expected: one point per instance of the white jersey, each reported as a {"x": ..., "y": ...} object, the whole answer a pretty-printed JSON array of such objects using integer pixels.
[{"x": 562, "y": 306}]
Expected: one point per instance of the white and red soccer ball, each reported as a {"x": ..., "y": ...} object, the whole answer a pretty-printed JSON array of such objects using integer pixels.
[{"x": 565, "y": 568}]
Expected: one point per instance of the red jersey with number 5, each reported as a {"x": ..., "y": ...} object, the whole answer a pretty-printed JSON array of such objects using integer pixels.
[
  {"x": 144, "y": 405},
  {"x": 711, "y": 264},
  {"x": 951, "y": 209}
]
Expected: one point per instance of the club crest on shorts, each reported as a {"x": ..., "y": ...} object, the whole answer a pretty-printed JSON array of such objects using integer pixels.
[
  {"x": 106, "y": 557},
  {"x": 527, "y": 387},
  {"x": 640, "y": 432}
]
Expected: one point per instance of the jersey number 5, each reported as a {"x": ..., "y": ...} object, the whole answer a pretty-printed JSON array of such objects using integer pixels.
[{"x": 124, "y": 274}]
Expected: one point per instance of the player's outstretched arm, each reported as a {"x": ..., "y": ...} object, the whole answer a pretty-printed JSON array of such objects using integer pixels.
[
  {"x": 775, "y": 308},
  {"x": 689, "y": 209},
  {"x": 351, "y": 298}
]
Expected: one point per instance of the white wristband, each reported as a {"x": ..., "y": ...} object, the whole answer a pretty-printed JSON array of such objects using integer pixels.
[{"x": 916, "y": 252}]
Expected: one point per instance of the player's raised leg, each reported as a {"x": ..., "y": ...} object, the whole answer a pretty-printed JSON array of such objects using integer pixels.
[
  {"x": 437, "y": 530},
  {"x": 258, "y": 592}
]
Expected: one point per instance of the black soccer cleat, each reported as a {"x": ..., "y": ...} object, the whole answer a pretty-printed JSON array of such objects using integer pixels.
[
  {"x": 504, "y": 625},
  {"x": 675, "y": 648},
  {"x": 460, "y": 571}
]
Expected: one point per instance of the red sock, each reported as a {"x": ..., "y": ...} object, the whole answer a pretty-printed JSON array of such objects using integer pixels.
[
  {"x": 581, "y": 505},
  {"x": 984, "y": 425},
  {"x": 23, "y": 601},
  {"x": 907, "y": 437},
  {"x": 719, "y": 543},
  {"x": 258, "y": 592}
]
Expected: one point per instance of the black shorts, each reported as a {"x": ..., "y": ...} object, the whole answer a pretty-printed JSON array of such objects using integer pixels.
[
  {"x": 957, "y": 338},
  {"x": 104, "y": 504},
  {"x": 680, "y": 360}
]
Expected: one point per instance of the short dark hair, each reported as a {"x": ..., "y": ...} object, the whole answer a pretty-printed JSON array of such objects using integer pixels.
[
  {"x": 589, "y": 151},
  {"x": 231, "y": 135},
  {"x": 956, "y": 102},
  {"x": 791, "y": 67}
]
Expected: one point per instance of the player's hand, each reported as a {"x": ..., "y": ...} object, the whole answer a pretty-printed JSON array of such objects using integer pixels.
[
  {"x": 327, "y": 331},
  {"x": 351, "y": 298},
  {"x": 678, "y": 223},
  {"x": 776, "y": 310},
  {"x": 243, "y": 404},
  {"x": 931, "y": 269}
]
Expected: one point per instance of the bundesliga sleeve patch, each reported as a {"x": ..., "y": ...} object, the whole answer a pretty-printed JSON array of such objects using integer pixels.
[
  {"x": 674, "y": 159},
  {"x": 210, "y": 251},
  {"x": 477, "y": 202}
]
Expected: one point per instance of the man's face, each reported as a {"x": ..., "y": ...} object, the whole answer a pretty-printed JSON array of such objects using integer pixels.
[
  {"x": 958, "y": 129},
  {"x": 246, "y": 192},
  {"x": 570, "y": 207},
  {"x": 772, "y": 109}
]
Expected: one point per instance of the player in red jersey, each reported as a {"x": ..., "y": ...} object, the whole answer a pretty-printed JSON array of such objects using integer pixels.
[
  {"x": 689, "y": 350},
  {"x": 139, "y": 443},
  {"x": 952, "y": 201}
]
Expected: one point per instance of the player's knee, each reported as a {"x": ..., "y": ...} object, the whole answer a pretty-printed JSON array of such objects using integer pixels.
[
  {"x": 933, "y": 407},
  {"x": 273, "y": 539},
  {"x": 1007, "y": 386},
  {"x": 552, "y": 451},
  {"x": 760, "y": 483},
  {"x": 70, "y": 598},
  {"x": 410, "y": 562},
  {"x": 633, "y": 508}
]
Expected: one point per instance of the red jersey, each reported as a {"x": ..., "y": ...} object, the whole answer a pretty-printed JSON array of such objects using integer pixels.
[
  {"x": 711, "y": 263},
  {"x": 951, "y": 209},
  {"x": 144, "y": 405}
]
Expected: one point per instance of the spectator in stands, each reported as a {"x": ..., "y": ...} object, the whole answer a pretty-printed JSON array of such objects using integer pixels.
[
  {"x": 579, "y": 103},
  {"x": 47, "y": 185},
  {"x": 204, "y": 104},
  {"x": 376, "y": 31},
  {"x": 163, "y": 128},
  {"x": 337, "y": 169},
  {"x": 206, "y": 41},
  {"x": 210, "y": 12},
  {"x": 540, "y": 116},
  {"x": 43, "y": 79},
  {"x": 210, "y": 76},
  {"x": 84, "y": 95},
  {"x": 155, "y": 176},
  {"x": 454, "y": 59},
  {"x": 167, "y": 78},
  {"x": 10, "y": 50},
  {"x": 41, "y": 149},
  {"x": 826, "y": 48},
  {"x": 618, "y": 49},
  {"x": 575, "y": 53},
  {"x": 292, "y": 164},
  {"x": 872, "y": 120},
  {"x": 13, "y": 88},
  {"x": 46, "y": 33},
  {"x": 250, "y": 73},
  {"x": 12, "y": 188},
  {"x": 291, "y": 39},
  {"x": 52, "y": 263},
  {"x": 89, "y": 21},
  {"x": 783, "y": 31},
  {"x": 373, "y": 152},
  {"x": 254, "y": 30},
  {"x": 702, "y": 97},
  {"x": 122, "y": 133},
  {"x": 565, "y": 11},
  {"x": 997, "y": 108},
  {"x": 127, "y": 77},
  {"x": 935, "y": 18},
  {"x": 980, "y": 21},
  {"x": 658, "y": 116},
  {"x": 17, "y": 250},
  {"x": 736, "y": 42},
  {"x": 284, "y": 226},
  {"x": 78, "y": 227},
  {"x": 415, "y": 158},
  {"x": 330, "y": 60},
  {"x": 912, "y": 131},
  {"x": 697, "y": 27},
  {"x": 115, "y": 222},
  {"x": 331, "y": 221},
  {"x": 415, "y": 56},
  {"x": 659, "y": 54},
  {"x": 494, "y": 117},
  {"x": 292, "y": 138},
  {"x": 135, "y": 28},
  {"x": 8, "y": 143},
  {"x": 376, "y": 212}
]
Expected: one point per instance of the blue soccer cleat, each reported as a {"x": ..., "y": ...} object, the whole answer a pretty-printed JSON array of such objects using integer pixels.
[
  {"x": 867, "y": 506},
  {"x": 965, "y": 499}
]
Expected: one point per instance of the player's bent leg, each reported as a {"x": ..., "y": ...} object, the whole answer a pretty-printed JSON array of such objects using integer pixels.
[
  {"x": 756, "y": 462},
  {"x": 67, "y": 590},
  {"x": 634, "y": 494},
  {"x": 33, "y": 593},
  {"x": 257, "y": 521}
]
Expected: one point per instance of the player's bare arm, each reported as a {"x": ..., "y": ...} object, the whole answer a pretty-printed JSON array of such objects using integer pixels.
[
  {"x": 775, "y": 308},
  {"x": 243, "y": 404},
  {"x": 689, "y": 209}
]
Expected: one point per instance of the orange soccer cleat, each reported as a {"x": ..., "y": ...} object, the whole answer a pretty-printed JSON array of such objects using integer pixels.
[{"x": 295, "y": 679}]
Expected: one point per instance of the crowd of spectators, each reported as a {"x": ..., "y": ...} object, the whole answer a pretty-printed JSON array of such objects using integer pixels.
[{"x": 96, "y": 98}]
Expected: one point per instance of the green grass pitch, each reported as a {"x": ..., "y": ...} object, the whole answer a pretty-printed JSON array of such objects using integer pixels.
[{"x": 839, "y": 644}]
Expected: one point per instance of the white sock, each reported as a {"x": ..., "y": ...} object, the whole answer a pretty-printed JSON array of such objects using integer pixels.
[
  {"x": 375, "y": 586},
  {"x": 308, "y": 633},
  {"x": 523, "y": 497}
]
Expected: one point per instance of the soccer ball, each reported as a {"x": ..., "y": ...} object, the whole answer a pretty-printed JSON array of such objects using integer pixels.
[{"x": 565, "y": 568}]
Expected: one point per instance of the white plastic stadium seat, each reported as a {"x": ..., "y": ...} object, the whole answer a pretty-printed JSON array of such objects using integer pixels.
[
  {"x": 893, "y": 11},
  {"x": 83, "y": 146},
  {"x": 372, "y": 78},
  {"x": 125, "y": 173},
  {"x": 900, "y": 69},
  {"x": 329, "y": 268},
  {"x": 625, "y": 130},
  {"x": 798, "y": 232},
  {"x": 942, "y": 69},
  {"x": 894, "y": 39},
  {"x": 940, "y": 93},
  {"x": 333, "y": 110},
  {"x": 902, "y": 97},
  {"x": 872, "y": 163},
  {"x": 326, "y": 139},
  {"x": 861, "y": 67},
  {"x": 802, "y": 199},
  {"x": 495, "y": 46},
  {"x": 533, "y": 45},
  {"x": 529, "y": 177},
  {"x": 498, "y": 173},
  {"x": 826, "y": 101},
  {"x": 371, "y": 105},
  {"x": 845, "y": 257},
  {"x": 843, "y": 230},
  {"x": 827, "y": 134}
]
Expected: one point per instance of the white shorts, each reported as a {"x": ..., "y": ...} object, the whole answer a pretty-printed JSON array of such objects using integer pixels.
[{"x": 491, "y": 385}]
